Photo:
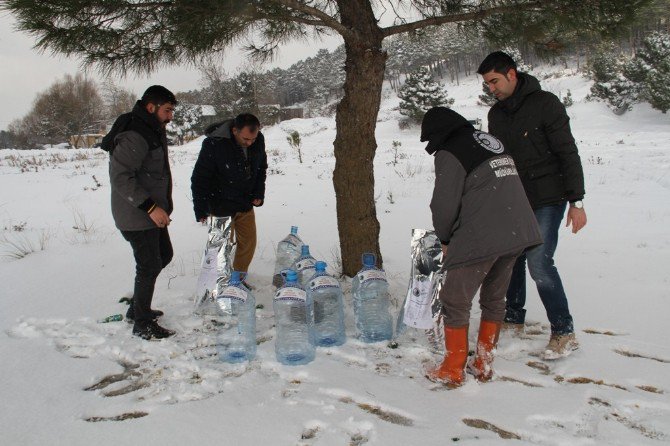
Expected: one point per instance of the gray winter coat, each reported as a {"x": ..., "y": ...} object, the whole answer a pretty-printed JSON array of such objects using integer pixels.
[
  {"x": 140, "y": 177},
  {"x": 479, "y": 206}
]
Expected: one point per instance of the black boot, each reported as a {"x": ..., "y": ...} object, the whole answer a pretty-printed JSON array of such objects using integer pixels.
[
  {"x": 151, "y": 330},
  {"x": 130, "y": 314}
]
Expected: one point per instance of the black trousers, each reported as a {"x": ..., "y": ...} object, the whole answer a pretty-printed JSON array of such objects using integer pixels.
[{"x": 153, "y": 251}]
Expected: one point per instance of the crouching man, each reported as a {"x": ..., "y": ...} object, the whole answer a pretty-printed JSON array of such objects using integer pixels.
[{"x": 483, "y": 219}]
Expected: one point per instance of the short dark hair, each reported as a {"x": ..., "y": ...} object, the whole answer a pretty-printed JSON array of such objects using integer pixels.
[
  {"x": 497, "y": 61},
  {"x": 246, "y": 120},
  {"x": 158, "y": 95}
]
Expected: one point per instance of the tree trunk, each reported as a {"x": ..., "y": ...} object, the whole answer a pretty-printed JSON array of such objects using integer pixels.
[{"x": 355, "y": 143}]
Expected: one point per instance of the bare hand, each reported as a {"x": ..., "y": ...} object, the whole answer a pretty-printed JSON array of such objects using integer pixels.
[
  {"x": 444, "y": 251},
  {"x": 256, "y": 201},
  {"x": 160, "y": 217},
  {"x": 576, "y": 217}
]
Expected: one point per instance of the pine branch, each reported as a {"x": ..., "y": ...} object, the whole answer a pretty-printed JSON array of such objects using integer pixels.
[{"x": 475, "y": 15}]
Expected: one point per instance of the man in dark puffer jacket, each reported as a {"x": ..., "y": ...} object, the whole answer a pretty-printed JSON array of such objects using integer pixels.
[
  {"x": 534, "y": 126},
  {"x": 229, "y": 180}
]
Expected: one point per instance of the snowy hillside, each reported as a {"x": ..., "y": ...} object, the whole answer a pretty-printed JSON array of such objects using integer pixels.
[{"x": 68, "y": 380}]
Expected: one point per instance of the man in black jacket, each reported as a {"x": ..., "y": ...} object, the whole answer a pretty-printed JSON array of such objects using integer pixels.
[
  {"x": 141, "y": 184},
  {"x": 534, "y": 126},
  {"x": 229, "y": 180}
]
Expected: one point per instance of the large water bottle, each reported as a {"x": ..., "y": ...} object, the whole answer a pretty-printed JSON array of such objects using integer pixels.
[
  {"x": 326, "y": 296},
  {"x": 236, "y": 339},
  {"x": 293, "y": 319},
  {"x": 288, "y": 251},
  {"x": 371, "y": 302},
  {"x": 304, "y": 266}
]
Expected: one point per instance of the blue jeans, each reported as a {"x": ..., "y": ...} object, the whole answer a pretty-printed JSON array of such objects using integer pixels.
[{"x": 544, "y": 273}]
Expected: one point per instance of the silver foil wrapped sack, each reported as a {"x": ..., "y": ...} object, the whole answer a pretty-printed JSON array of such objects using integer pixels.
[
  {"x": 422, "y": 308},
  {"x": 217, "y": 265}
]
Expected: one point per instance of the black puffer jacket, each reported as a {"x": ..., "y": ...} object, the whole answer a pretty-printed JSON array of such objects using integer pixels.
[
  {"x": 534, "y": 127},
  {"x": 224, "y": 180}
]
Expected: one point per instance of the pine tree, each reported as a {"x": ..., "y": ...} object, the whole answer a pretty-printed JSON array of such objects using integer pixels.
[
  {"x": 607, "y": 69},
  {"x": 420, "y": 93},
  {"x": 651, "y": 67}
]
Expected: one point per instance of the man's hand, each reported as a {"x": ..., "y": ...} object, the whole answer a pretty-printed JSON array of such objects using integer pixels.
[
  {"x": 576, "y": 217},
  {"x": 160, "y": 217},
  {"x": 256, "y": 201},
  {"x": 444, "y": 251},
  {"x": 203, "y": 220}
]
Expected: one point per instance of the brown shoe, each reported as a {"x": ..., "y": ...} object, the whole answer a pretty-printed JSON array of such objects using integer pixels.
[
  {"x": 513, "y": 329},
  {"x": 560, "y": 346},
  {"x": 450, "y": 371}
]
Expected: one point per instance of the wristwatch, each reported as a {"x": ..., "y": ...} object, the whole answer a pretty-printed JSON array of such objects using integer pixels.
[{"x": 579, "y": 204}]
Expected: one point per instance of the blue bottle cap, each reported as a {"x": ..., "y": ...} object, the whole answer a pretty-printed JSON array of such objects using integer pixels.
[
  {"x": 320, "y": 266},
  {"x": 291, "y": 276},
  {"x": 305, "y": 250},
  {"x": 369, "y": 259},
  {"x": 235, "y": 277},
  {"x": 294, "y": 230}
]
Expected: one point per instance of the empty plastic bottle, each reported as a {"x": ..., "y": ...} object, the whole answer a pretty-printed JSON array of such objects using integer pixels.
[
  {"x": 304, "y": 266},
  {"x": 371, "y": 302},
  {"x": 236, "y": 339},
  {"x": 288, "y": 251},
  {"x": 326, "y": 296},
  {"x": 293, "y": 319}
]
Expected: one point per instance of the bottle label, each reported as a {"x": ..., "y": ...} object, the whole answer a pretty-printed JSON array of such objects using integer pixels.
[
  {"x": 290, "y": 293},
  {"x": 370, "y": 275},
  {"x": 305, "y": 264},
  {"x": 321, "y": 282},
  {"x": 233, "y": 292}
]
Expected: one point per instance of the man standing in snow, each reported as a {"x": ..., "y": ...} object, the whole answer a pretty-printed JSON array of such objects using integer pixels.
[
  {"x": 534, "y": 126},
  {"x": 483, "y": 220},
  {"x": 141, "y": 185},
  {"x": 229, "y": 180}
]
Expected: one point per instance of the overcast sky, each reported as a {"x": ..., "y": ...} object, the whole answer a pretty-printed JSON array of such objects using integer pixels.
[{"x": 24, "y": 72}]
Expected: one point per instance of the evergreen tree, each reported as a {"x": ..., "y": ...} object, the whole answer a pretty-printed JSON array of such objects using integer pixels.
[
  {"x": 606, "y": 68},
  {"x": 420, "y": 93},
  {"x": 651, "y": 67},
  {"x": 186, "y": 123}
]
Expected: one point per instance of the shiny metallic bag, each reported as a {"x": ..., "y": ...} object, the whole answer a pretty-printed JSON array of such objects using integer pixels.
[
  {"x": 217, "y": 264},
  {"x": 422, "y": 308}
]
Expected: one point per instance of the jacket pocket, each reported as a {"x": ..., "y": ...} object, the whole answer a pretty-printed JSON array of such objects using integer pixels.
[{"x": 155, "y": 164}]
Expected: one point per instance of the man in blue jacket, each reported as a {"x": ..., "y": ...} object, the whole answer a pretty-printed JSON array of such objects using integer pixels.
[
  {"x": 534, "y": 126},
  {"x": 229, "y": 180}
]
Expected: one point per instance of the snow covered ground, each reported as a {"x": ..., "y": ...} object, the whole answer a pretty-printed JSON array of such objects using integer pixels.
[{"x": 68, "y": 380}]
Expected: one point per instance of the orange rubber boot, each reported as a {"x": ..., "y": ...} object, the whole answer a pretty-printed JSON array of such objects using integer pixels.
[
  {"x": 487, "y": 340},
  {"x": 450, "y": 371}
]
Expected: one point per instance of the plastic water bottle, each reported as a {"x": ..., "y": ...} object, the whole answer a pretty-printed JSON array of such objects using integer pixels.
[
  {"x": 288, "y": 251},
  {"x": 371, "y": 302},
  {"x": 293, "y": 319},
  {"x": 236, "y": 340},
  {"x": 304, "y": 266},
  {"x": 326, "y": 296}
]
